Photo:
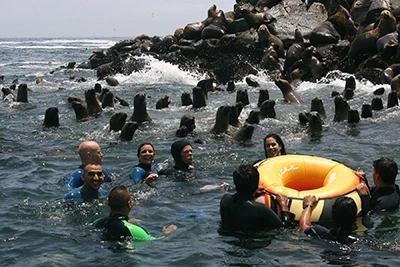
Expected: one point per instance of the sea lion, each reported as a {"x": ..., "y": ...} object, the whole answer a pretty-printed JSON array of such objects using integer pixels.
[
  {"x": 117, "y": 121},
  {"x": 387, "y": 44},
  {"x": 316, "y": 67},
  {"x": 366, "y": 111},
  {"x": 377, "y": 104},
  {"x": 182, "y": 131},
  {"x": 74, "y": 98},
  {"x": 295, "y": 51},
  {"x": 111, "y": 81},
  {"x": 245, "y": 133},
  {"x": 6, "y": 92},
  {"x": 121, "y": 101},
  {"x": 198, "y": 97},
  {"x": 186, "y": 99},
  {"x": 108, "y": 100},
  {"x": 304, "y": 117},
  {"x": 318, "y": 106},
  {"x": 208, "y": 85},
  {"x": 254, "y": 117},
  {"x": 341, "y": 109},
  {"x": 234, "y": 116},
  {"x": 213, "y": 31},
  {"x": 314, "y": 122},
  {"x": 22, "y": 93},
  {"x": 51, "y": 118},
  {"x": 163, "y": 102},
  {"x": 97, "y": 88},
  {"x": 379, "y": 91},
  {"x": 353, "y": 116},
  {"x": 288, "y": 93},
  {"x": 252, "y": 82},
  {"x": 393, "y": 99},
  {"x": 221, "y": 120},
  {"x": 255, "y": 19},
  {"x": 188, "y": 120},
  {"x": 230, "y": 87},
  {"x": 128, "y": 130},
  {"x": 348, "y": 94},
  {"x": 262, "y": 96},
  {"x": 81, "y": 112},
  {"x": 242, "y": 96},
  {"x": 93, "y": 106},
  {"x": 267, "y": 109},
  {"x": 365, "y": 43},
  {"x": 140, "y": 109},
  {"x": 395, "y": 84},
  {"x": 267, "y": 39},
  {"x": 350, "y": 83}
]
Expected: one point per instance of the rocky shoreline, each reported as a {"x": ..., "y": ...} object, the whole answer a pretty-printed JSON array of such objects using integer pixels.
[{"x": 316, "y": 38}]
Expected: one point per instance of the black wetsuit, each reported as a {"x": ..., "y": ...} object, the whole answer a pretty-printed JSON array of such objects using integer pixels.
[
  {"x": 240, "y": 212},
  {"x": 343, "y": 235},
  {"x": 382, "y": 198}
]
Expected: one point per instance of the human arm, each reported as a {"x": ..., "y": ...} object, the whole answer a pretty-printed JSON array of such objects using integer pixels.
[
  {"x": 363, "y": 192},
  {"x": 305, "y": 218},
  {"x": 74, "y": 180}
]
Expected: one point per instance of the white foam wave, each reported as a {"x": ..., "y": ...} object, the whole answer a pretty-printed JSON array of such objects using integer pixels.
[{"x": 161, "y": 72}]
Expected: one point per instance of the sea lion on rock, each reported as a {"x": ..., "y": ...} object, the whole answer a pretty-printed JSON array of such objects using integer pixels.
[
  {"x": 257, "y": 18},
  {"x": 117, "y": 121},
  {"x": 393, "y": 99},
  {"x": 92, "y": 104},
  {"x": 242, "y": 96},
  {"x": 222, "y": 120},
  {"x": 80, "y": 108},
  {"x": 341, "y": 109},
  {"x": 365, "y": 43},
  {"x": 316, "y": 67},
  {"x": 267, "y": 39},
  {"x": 163, "y": 102},
  {"x": 186, "y": 99},
  {"x": 51, "y": 118},
  {"x": 288, "y": 93},
  {"x": 262, "y": 96},
  {"x": 366, "y": 111},
  {"x": 245, "y": 133},
  {"x": 377, "y": 104},
  {"x": 267, "y": 109},
  {"x": 128, "y": 130},
  {"x": 254, "y": 117},
  {"x": 22, "y": 93},
  {"x": 353, "y": 116},
  {"x": 295, "y": 51},
  {"x": 198, "y": 97},
  {"x": 318, "y": 106},
  {"x": 140, "y": 109}
]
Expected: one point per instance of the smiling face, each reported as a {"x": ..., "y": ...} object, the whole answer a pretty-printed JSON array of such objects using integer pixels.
[
  {"x": 187, "y": 154},
  {"x": 93, "y": 176},
  {"x": 272, "y": 147},
  {"x": 146, "y": 155}
]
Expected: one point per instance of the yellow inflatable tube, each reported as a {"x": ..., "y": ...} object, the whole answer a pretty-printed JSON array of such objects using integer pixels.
[{"x": 296, "y": 176}]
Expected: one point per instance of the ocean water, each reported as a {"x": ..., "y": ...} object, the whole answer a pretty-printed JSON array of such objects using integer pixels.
[{"x": 38, "y": 229}]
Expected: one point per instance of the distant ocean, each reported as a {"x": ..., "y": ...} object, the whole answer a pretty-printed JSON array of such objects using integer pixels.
[{"x": 38, "y": 229}]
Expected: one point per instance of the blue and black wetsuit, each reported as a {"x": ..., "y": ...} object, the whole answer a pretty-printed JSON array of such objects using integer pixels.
[
  {"x": 239, "y": 212},
  {"x": 117, "y": 228},
  {"x": 80, "y": 193},
  {"x": 74, "y": 180},
  {"x": 141, "y": 171}
]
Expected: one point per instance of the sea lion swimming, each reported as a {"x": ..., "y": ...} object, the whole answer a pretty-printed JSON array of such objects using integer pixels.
[
  {"x": 128, "y": 130},
  {"x": 92, "y": 104},
  {"x": 222, "y": 120},
  {"x": 51, "y": 118},
  {"x": 117, "y": 121},
  {"x": 140, "y": 109},
  {"x": 288, "y": 93}
]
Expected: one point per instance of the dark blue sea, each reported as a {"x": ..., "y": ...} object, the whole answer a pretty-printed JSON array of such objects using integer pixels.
[{"x": 37, "y": 228}]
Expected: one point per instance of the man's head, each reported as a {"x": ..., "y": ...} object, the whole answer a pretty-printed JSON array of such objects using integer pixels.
[
  {"x": 90, "y": 151},
  {"x": 93, "y": 176},
  {"x": 344, "y": 212},
  {"x": 182, "y": 152},
  {"x": 119, "y": 199},
  {"x": 385, "y": 172},
  {"x": 246, "y": 178}
]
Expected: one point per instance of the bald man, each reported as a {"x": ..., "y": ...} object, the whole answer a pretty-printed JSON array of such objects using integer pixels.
[{"x": 89, "y": 151}]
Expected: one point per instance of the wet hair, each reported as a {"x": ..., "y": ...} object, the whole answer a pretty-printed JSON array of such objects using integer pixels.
[
  {"x": 142, "y": 145},
  {"x": 387, "y": 170},
  {"x": 344, "y": 212},
  {"x": 118, "y": 197},
  {"x": 278, "y": 140},
  {"x": 176, "y": 149},
  {"x": 246, "y": 178}
]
